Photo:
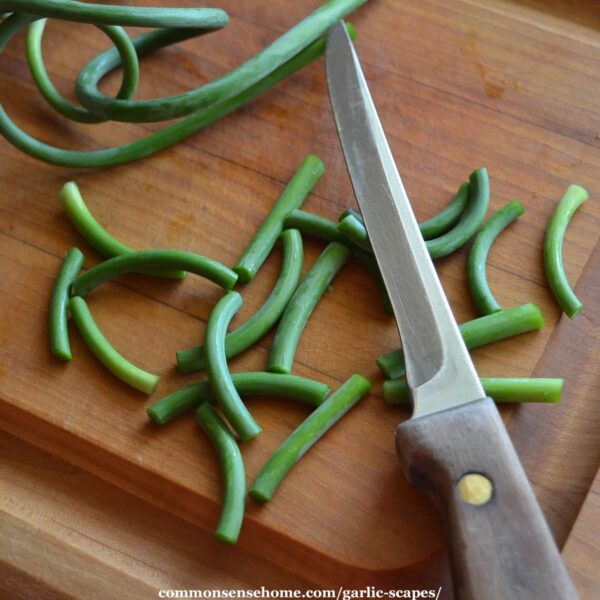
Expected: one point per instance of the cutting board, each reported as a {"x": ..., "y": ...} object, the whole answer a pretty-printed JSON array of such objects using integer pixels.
[
  {"x": 582, "y": 550},
  {"x": 498, "y": 84}
]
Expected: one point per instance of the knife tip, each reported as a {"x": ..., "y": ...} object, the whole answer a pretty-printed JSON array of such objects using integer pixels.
[{"x": 337, "y": 30}]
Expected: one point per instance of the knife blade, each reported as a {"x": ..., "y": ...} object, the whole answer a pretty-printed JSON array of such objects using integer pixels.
[
  {"x": 455, "y": 446},
  {"x": 439, "y": 370}
]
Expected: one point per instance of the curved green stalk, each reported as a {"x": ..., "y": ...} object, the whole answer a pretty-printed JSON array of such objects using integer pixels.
[
  {"x": 306, "y": 435},
  {"x": 59, "y": 332},
  {"x": 293, "y": 387},
  {"x": 247, "y": 74},
  {"x": 134, "y": 16},
  {"x": 326, "y": 230},
  {"x": 232, "y": 468},
  {"x": 94, "y": 234},
  {"x": 171, "y": 134},
  {"x": 247, "y": 334},
  {"x": 265, "y": 238},
  {"x": 154, "y": 142},
  {"x": 447, "y": 218},
  {"x": 574, "y": 197},
  {"x": 470, "y": 220},
  {"x": 476, "y": 278},
  {"x": 439, "y": 223},
  {"x": 348, "y": 212},
  {"x": 476, "y": 333},
  {"x": 35, "y": 60},
  {"x": 301, "y": 305},
  {"x": 143, "y": 260},
  {"x": 104, "y": 351},
  {"x": 218, "y": 372},
  {"x": 313, "y": 225},
  {"x": 503, "y": 390},
  {"x": 354, "y": 230}
]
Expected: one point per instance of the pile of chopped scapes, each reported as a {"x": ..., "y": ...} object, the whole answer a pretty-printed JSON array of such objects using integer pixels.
[
  {"x": 196, "y": 109},
  {"x": 217, "y": 400}
]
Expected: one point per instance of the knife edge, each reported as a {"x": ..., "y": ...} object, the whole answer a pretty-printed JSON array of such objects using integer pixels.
[{"x": 439, "y": 370}]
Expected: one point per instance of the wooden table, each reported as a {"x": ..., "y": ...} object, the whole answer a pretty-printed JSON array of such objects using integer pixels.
[{"x": 506, "y": 84}]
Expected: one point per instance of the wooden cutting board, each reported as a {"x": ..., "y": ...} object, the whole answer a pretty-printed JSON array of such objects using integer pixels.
[
  {"x": 582, "y": 550},
  {"x": 475, "y": 83}
]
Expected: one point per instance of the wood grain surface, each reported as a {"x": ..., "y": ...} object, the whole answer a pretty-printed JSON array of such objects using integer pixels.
[
  {"x": 458, "y": 86},
  {"x": 582, "y": 550},
  {"x": 95, "y": 541}
]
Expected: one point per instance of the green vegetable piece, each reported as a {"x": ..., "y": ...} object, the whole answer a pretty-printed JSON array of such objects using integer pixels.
[
  {"x": 447, "y": 218},
  {"x": 144, "y": 260},
  {"x": 145, "y": 44},
  {"x": 326, "y": 230},
  {"x": 93, "y": 233},
  {"x": 35, "y": 60},
  {"x": 476, "y": 333},
  {"x": 306, "y": 435},
  {"x": 242, "y": 77},
  {"x": 302, "y": 304},
  {"x": 476, "y": 278},
  {"x": 135, "y": 16},
  {"x": 232, "y": 468},
  {"x": 353, "y": 230},
  {"x": 438, "y": 224},
  {"x": 105, "y": 353},
  {"x": 365, "y": 257},
  {"x": 265, "y": 238},
  {"x": 458, "y": 236},
  {"x": 293, "y": 387},
  {"x": 574, "y": 197},
  {"x": 470, "y": 220},
  {"x": 354, "y": 213},
  {"x": 59, "y": 332},
  {"x": 82, "y": 219},
  {"x": 247, "y": 334},
  {"x": 503, "y": 390},
  {"x": 313, "y": 225},
  {"x": 219, "y": 376}
]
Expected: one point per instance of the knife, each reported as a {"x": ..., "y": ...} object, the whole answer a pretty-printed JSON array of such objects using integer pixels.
[{"x": 455, "y": 446}]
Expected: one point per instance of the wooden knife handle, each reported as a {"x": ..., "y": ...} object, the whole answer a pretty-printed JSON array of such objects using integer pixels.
[{"x": 499, "y": 543}]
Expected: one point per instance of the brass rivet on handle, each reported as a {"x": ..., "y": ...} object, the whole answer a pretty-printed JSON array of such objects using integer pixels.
[{"x": 475, "y": 489}]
